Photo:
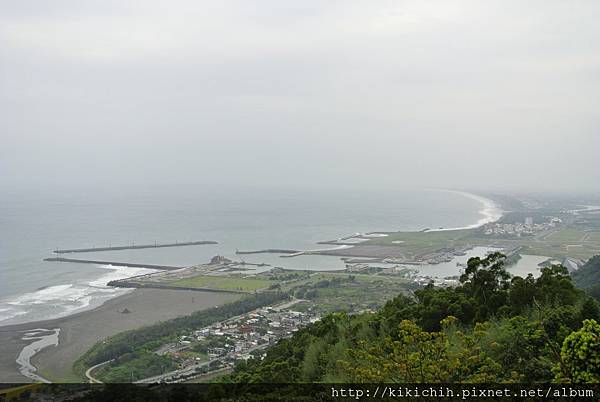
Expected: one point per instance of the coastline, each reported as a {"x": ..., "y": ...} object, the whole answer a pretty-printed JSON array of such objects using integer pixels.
[
  {"x": 80, "y": 331},
  {"x": 86, "y": 296},
  {"x": 491, "y": 211}
]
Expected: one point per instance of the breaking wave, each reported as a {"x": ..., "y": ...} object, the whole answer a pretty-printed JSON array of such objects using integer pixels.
[{"x": 62, "y": 300}]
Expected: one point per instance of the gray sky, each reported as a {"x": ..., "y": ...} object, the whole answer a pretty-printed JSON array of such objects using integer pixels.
[{"x": 469, "y": 94}]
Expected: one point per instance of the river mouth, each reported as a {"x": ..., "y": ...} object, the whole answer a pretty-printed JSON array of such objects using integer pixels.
[{"x": 42, "y": 338}]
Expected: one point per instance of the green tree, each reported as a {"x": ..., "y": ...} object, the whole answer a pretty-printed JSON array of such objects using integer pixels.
[
  {"x": 580, "y": 355},
  {"x": 487, "y": 281},
  {"x": 489, "y": 328},
  {"x": 435, "y": 304},
  {"x": 312, "y": 366},
  {"x": 590, "y": 310},
  {"x": 520, "y": 346},
  {"x": 421, "y": 356},
  {"x": 522, "y": 293},
  {"x": 554, "y": 286}
]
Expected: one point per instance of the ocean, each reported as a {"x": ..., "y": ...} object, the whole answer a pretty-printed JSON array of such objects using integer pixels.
[{"x": 34, "y": 226}]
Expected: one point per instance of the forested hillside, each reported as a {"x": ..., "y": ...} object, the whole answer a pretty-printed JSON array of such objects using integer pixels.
[
  {"x": 491, "y": 328},
  {"x": 588, "y": 277}
]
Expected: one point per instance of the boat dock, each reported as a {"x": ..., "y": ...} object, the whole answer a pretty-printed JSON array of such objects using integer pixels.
[{"x": 133, "y": 247}]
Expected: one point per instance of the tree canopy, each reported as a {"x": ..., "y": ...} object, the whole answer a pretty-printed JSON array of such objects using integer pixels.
[{"x": 490, "y": 328}]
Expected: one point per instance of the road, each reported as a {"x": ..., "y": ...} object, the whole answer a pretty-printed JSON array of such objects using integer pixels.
[
  {"x": 88, "y": 372},
  {"x": 190, "y": 369},
  {"x": 288, "y": 304}
]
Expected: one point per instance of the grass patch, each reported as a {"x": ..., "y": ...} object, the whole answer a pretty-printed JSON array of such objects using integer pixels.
[
  {"x": 365, "y": 278},
  {"x": 359, "y": 295},
  {"x": 415, "y": 243},
  {"x": 349, "y": 292},
  {"x": 581, "y": 252},
  {"x": 419, "y": 238},
  {"x": 223, "y": 283},
  {"x": 567, "y": 235},
  {"x": 71, "y": 378}
]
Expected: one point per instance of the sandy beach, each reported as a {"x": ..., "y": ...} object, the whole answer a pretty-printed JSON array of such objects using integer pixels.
[
  {"x": 490, "y": 211},
  {"x": 80, "y": 331}
]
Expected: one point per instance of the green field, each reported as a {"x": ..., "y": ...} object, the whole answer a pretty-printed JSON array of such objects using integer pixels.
[
  {"x": 360, "y": 293},
  {"x": 582, "y": 252},
  {"x": 567, "y": 235},
  {"x": 571, "y": 241},
  {"x": 415, "y": 243},
  {"x": 363, "y": 278},
  {"x": 223, "y": 283}
]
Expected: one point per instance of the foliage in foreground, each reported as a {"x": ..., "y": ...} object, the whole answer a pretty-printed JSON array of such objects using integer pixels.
[
  {"x": 581, "y": 354},
  {"x": 491, "y": 328}
]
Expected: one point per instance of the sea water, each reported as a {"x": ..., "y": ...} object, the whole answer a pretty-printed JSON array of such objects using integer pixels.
[{"x": 35, "y": 225}]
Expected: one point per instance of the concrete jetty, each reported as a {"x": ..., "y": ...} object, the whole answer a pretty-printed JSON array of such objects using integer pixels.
[
  {"x": 115, "y": 263},
  {"x": 269, "y": 250},
  {"x": 133, "y": 247},
  {"x": 128, "y": 283}
]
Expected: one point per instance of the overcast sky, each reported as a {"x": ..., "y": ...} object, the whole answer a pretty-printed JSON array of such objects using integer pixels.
[{"x": 456, "y": 94}]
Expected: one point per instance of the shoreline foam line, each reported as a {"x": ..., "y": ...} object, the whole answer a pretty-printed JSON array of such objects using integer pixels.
[
  {"x": 70, "y": 298},
  {"x": 491, "y": 211}
]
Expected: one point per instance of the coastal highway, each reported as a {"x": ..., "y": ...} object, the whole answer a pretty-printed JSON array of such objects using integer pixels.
[
  {"x": 175, "y": 375},
  {"x": 191, "y": 370},
  {"x": 162, "y": 377},
  {"x": 88, "y": 372}
]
